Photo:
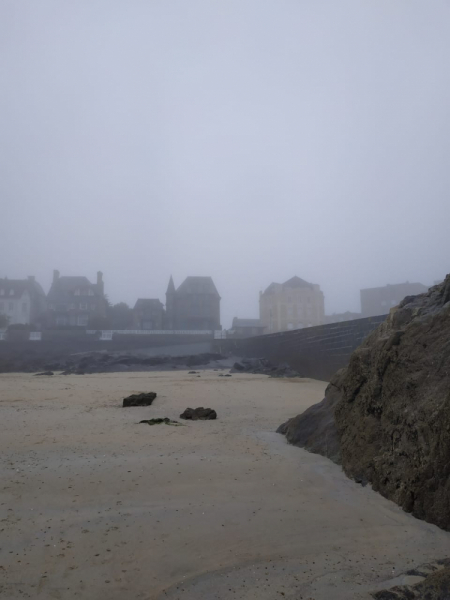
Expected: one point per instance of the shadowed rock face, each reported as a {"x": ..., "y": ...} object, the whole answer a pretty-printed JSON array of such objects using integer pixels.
[
  {"x": 433, "y": 584},
  {"x": 388, "y": 413}
]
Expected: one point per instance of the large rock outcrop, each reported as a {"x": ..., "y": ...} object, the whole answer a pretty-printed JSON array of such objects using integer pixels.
[{"x": 386, "y": 416}]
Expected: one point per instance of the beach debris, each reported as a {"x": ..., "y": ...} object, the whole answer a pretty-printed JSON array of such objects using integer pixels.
[
  {"x": 143, "y": 399},
  {"x": 199, "y": 414},
  {"x": 162, "y": 421},
  {"x": 192, "y": 373},
  {"x": 48, "y": 373}
]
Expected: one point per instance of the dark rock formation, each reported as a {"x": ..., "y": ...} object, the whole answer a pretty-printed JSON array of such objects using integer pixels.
[
  {"x": 391, "y": 409},
  {"x": 315, "y": 429},
  {"x": 263, "y": 366},
  {"x": 101, "y": 362},
  {"x": 199, "y": 414},
  {"x": 159, "y": 421},
  {"x": 48, "y": 373},
  {"x": 144, "y": 399},
  {"x": 435, "y": 584}
]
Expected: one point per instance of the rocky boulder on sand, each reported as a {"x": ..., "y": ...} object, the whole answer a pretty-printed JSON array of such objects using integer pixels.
[
  {"x": 144, "y": 399},
  {"x": 386, "y": 416},
  {"x": 199, "y": 414}
]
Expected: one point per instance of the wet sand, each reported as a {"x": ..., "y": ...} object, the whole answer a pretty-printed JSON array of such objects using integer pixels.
[{"x": 95, "y": 506}]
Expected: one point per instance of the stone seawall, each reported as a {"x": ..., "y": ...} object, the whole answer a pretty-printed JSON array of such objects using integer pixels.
[{"x": 316, "y": 352}]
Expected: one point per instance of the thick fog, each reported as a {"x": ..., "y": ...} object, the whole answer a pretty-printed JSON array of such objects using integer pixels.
[{"x": 249, "y": 140}]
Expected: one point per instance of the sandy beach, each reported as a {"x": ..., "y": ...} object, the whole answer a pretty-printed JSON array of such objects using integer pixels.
[{"x": 95, "y": 506}]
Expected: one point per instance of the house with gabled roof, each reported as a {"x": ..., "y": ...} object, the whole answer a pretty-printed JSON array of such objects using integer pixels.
[
  {"x": 194, "y": 305},
  {"x": 74, "y": 301},
  {"x": 294, "y": 304},
  {"x": 148, "y": 313},
  {"x": 22, "y": 301}
]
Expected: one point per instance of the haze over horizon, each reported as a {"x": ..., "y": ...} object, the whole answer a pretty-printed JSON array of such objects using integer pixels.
[{"x": 250, "y": 141}]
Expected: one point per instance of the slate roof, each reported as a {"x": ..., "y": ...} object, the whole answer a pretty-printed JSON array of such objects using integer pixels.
[
  {"x": 64, "y": 287},
  {"x": 14, "y": 288},
  {"x": 171, "y": 286},
  {"x": 296, "y": 282},
  {"x": 292, "y": 283},
  {"x": 198, "y": 285}
]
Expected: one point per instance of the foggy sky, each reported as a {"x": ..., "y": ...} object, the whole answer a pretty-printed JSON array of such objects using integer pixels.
[{"x": 249, "y": 140}]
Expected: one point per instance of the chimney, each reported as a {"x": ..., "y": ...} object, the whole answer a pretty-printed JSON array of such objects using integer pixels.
[
  {"x": 100, "y": 282},
  {"x": 55, "y": 276}
]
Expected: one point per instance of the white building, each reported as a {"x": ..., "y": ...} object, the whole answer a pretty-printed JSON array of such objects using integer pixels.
[{"x": 22, "y": 301}]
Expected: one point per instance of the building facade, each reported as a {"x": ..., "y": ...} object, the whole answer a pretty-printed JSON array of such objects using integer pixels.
[
  {"x": 247, "y": 327},
  {"x": 291, "y": 305},
  {"x": 380, "y": 300},
  {"x": 22, "y": 301},
  {"x": 148, "y": 313},
  {"x": 74, "y": 301},
  {"x": 194, "y": 305}
]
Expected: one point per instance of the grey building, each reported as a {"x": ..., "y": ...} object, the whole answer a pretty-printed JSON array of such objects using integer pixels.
[
  {"x": 380, "y": 300},
  {"x": 22, "y": 301},
  {"x": 74, "y": 301},
  {"x": 194, "y": 305},
  {"x": 148, "y": 313},
  {"x": 247, "y": 327}
]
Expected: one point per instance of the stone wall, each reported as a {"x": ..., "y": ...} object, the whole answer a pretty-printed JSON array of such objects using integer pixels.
[{"x": 316, "y": 352}]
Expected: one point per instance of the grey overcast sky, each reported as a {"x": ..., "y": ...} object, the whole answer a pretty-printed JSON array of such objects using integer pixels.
[{"x": 249, "y": 140}]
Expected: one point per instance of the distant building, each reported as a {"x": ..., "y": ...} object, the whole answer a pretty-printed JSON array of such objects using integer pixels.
[
  {"x": 247, "y": 327},
  {"x": 195, "y": 305},
  {"x": 291, "y": 305},
  {"x": 148, "y": 313},
  {"x": 379, "y": 300},
  {"x": 22, "y": 301},
  {"x": 73, "y": 301},
  {"x": 341, "y": 317}
]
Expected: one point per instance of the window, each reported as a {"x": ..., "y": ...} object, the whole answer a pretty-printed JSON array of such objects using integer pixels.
[
  {"x": 61, "y": 320},
  {"x": 72, "y": 305},
  {"x": 2, "y": 292},
  {"x": 92, "y": 306},
  {"x": 91, "y": 292},
  {"x": 83, "y": 305},
  {"x": 77, "y": 292},
  {"x": 11, "y": 306},
  {"x": 82, "y": 321},
  {"x": 11, "y": 292},
  {"x": 24, "y": 308}
]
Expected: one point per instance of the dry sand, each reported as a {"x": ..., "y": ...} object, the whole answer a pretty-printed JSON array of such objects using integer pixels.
[{"x": 95, "y": 506}]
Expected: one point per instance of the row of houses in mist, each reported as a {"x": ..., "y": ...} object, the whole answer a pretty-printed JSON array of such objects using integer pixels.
[{"x": 76, "y": 302}]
